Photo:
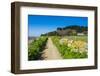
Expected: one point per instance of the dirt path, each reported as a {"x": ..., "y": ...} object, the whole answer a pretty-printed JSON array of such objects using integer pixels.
[{"x": 51, "y": 51}]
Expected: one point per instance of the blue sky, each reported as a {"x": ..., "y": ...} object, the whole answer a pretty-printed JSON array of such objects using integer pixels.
[{"x": 40, "y": 24}]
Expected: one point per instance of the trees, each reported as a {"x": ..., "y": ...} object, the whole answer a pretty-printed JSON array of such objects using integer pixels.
[{"x": 68, "y": 30}]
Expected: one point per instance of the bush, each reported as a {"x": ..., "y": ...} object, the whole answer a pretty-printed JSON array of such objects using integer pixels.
[
  {"x": 36, "y": 47},
  {"x": 67, "y": 52}
]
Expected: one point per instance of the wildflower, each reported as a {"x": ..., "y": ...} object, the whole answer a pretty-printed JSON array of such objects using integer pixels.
[{"x": 63, "y": 41}]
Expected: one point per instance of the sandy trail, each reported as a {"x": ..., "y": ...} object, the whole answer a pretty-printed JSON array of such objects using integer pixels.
[{"x": 51, "y": 51}]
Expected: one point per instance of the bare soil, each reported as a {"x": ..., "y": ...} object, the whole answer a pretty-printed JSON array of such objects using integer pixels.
[{"x": 51, "y": 52}]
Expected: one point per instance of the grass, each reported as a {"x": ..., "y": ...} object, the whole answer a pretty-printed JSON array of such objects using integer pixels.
[
  {"x": 82, "y": 38},
  {"x": 68, "y": 52}
]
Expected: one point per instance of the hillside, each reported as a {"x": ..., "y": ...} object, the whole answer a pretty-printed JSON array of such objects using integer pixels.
[{"x": 68, "y": 30}]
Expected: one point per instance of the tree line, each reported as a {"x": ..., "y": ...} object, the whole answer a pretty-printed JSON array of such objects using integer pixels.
[{"x": 68, "y": 30}]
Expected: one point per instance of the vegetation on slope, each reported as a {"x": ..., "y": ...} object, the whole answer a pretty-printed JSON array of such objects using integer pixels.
[
  {"x": 70, "y": 50},
  {"x": 36, "y": 47}
]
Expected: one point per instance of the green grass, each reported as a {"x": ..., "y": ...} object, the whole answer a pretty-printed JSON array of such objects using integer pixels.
[
  {"x": 66, "y": 51},
  {"x": 37, "y": 46},
  {"x": 83, "y": 38}
]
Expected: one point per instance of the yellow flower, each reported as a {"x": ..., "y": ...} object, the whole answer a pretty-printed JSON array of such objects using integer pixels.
[
  {"x": 77, "y": 46},
  {"x": 80, "y": 45}
]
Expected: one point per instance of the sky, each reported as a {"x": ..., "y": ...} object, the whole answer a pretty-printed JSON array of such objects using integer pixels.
[{"x": 40, "y": 24}]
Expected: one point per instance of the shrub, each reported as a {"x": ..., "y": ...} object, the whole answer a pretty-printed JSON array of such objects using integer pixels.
[
  {"x": 36, "y": 47},
  {"x": 72, "y": 51}
]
